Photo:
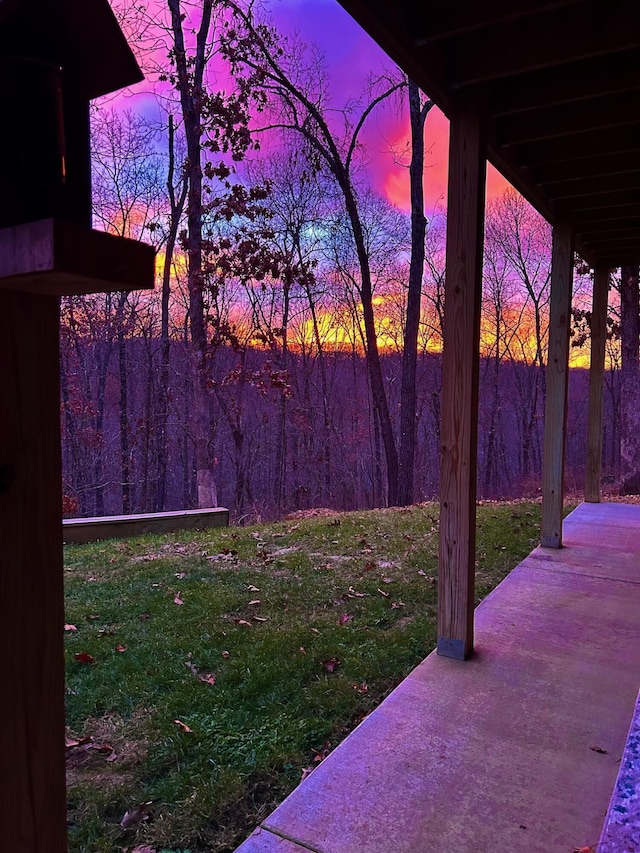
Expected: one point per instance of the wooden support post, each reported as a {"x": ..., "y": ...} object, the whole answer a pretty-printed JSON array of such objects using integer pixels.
[
  {"x": 555, "y": 413},
  {"x": 459, "y": 430},
  {"x": 596, "y": 381},
  {"x": 32, "y": 776}
]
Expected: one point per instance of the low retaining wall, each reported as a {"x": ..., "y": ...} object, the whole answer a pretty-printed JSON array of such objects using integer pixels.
[{"x": 78, "y": 531}]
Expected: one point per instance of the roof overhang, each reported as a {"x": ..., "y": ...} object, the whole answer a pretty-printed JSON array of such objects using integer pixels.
[{"x": 558, "y": 85}]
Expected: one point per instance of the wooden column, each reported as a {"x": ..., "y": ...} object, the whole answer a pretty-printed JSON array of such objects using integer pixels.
[
  {"x": 596, "y": 382},
  {"x": 459, "y": 429},
  {"x": 32, "y": 777},
  {"x": 555, "y": 413}
]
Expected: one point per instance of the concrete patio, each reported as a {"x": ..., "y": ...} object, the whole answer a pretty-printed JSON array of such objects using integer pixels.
[{"x": 497, "y": 753}]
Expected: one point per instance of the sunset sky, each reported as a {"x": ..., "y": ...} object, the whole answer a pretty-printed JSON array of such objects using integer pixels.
[{"x": 351, "y": 57}]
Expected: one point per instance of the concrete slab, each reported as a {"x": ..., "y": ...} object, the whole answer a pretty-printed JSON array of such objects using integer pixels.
[
  {"x": 495, "y": 753},
  {"x": 263, "y": 841}
]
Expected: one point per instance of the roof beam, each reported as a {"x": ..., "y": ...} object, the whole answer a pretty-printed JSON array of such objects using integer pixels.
[
  {"x": 595, "y": 220},
  {"x": 584, "y": 168},
  {"x": 550, "y": 39},
  {"x": 569, "y": 148},
  {"x": 595, "y": 186},
  {"x": 615, "y": 232},
  {"x": 620, "y": 199},
  {"x": 430, "y": 22},
  {"x": 621, "y": 259},
  {"x": 595, "y": 114},
  {"x": 580, "y": 80}
]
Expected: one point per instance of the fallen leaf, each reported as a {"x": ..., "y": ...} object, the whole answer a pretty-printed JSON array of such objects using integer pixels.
[
  {"x": 190, "y": 666},
  {"x": 121, "y": 648},
  {"x": 363, "y": 687},
  {"x": 183, "y": 726},
  {"x": 93, "y": 616},
  {"x": 68, "y": 627},
  {"x": 356, "y": 594},
  {"x": 397, "y": 604},
  {"x": 209, "y": 678},
  {"x": 253, "y": 588},
  {"x": 331, "y": 663},
  {"x": 255, "y": 602},
  {"x": 421, "y": 572},
  {"x": 583, "y": 850},
  {"x": 177, "y": 599},
  {"x": 101, "y": 747},
  {"x": 242, "y": 622},
  {"x": 136, "y": 815},
  {"x": 225, "y": 654},
  {"x": 599, "y": 749},
  {"x": 345, "y": 619},
  {"x": 387, "y": 580},
  {"x": 144, "y": 616},
  {"x": 302, "y": 650},
  {"x": 84, "y": 657},
  {"x": 260, "y": 618},
  {"x": 70, "y": 744},
  {"x": 385, "y": 594},
  {"x": 112, "y": 757},
  {"x": 306, "y": 771},
  {"x": 369, "y": 565},
  {"x": 181, "y": 575}
]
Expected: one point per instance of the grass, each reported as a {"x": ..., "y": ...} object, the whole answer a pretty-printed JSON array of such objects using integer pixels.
[{"x": 303, "y": 626}]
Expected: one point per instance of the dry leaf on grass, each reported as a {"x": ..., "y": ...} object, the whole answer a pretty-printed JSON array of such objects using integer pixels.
[
  {"x": 177, "y": 599},
  {"x": 136, "y": 815},
  {"x": 84, "y": 657},
  {"x": 183, "y": 726},
  {"x": 330, "y": 664},
  {"x": 68, "y": 627}
]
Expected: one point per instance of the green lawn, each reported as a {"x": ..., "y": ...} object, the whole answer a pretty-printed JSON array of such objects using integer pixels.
[{"x": 227, "y": 664}]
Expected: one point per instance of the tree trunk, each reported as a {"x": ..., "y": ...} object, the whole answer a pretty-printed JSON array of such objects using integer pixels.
[
  {"x": 630, "y": 393},
  {"x": 408, "y": 396}
]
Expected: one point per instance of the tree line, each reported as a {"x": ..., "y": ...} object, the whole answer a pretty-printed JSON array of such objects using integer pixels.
[{"x": 289, "y": 357}]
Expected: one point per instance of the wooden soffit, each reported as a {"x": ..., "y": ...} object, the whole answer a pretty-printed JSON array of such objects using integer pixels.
[
  {"x": 82, "y": 36},
  {"x": 558, "y": 85}
]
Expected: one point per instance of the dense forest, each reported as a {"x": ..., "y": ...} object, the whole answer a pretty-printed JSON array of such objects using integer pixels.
[{"x": 289, "y": 356}]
